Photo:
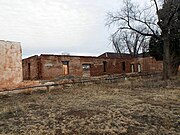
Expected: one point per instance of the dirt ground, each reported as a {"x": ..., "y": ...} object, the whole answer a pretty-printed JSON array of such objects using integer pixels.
[{"x": 95, "y": 110}]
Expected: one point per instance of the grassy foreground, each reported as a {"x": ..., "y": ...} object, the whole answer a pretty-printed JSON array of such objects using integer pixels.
[{"x": 96, "y": 109}]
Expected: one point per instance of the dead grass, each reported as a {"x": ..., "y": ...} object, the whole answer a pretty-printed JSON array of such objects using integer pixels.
[{"x": 96, "y": 109}]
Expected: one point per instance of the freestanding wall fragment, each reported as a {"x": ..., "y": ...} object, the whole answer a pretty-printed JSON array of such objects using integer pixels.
[{"x": 10, "y": 63}]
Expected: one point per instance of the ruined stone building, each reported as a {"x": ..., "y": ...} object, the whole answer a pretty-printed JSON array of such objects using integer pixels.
[
  {"x": 10, "y": 63},
  {"x": 52, "y": 66}
]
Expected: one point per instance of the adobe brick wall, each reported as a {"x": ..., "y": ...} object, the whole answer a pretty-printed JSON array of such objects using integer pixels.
[
  {"x": 51, "y": 66},
  {"x": 149, "y": 64},
  {"x": 10, "y": 63},
  {"x": 31, "y": 68},
  {"x": 114, "y": 65}
]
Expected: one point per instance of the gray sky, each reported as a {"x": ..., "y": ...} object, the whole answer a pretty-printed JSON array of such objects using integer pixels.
[{"x": 56, "y": 26}]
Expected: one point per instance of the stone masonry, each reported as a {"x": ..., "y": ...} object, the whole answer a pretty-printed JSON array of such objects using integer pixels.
[{"x": 10, "y": 63}]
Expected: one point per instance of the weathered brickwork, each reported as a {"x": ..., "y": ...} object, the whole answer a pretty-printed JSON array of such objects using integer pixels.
[
  {"x": 52, "y": 66},
  {"x": 149, "y": 64},
  {"x": 30, "y": 68},
  {"x": 10, "y": 63}
]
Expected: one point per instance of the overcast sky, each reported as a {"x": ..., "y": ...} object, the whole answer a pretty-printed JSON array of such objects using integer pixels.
[{"x": 56, "y": 26}]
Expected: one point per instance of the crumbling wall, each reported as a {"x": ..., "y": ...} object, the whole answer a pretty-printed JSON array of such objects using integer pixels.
[
  {"x": 31, "y": 68},
  {"x": 52, "y": 66},
  {"x": 10, "y": 63},
  {"x": 149, "y": 64},
  {"x": 106, "y": 66}
]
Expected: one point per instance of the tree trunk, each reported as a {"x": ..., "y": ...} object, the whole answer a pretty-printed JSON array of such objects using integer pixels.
[
  {"x": 175, "y": 62},
  {"x": 166, "y": 56},
  {"x": 170, "y": 63},
  {"x": 174, "y": 68}
]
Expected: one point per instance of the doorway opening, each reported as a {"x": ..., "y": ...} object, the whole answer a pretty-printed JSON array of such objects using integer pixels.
[
  {"x": 29, "y": 71},
  {"x": 132, "y": 68},
  {"x": 123, "y": 65},
  {"x": 65, "y": 67},
  {"x": 86, "y": 70},
  {"x": 104, "y": 66}
]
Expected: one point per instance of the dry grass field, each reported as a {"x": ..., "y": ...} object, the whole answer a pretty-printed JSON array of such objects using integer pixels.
[{"x": 95, "y": 110}]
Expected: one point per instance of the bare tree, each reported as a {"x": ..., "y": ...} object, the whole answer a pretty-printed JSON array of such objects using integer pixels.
[
  {"x": 129, "y": 42},
  {"x": 131, "y": 17},
  {"x": 168, "y": 21},
  {"x": 151, "y": 21}
]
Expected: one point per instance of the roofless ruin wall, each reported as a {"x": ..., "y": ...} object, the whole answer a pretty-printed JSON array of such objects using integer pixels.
[{"x": 10, "y": 63}]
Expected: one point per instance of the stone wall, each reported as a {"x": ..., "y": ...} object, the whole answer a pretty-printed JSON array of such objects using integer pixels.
[{"x": 10, "y": 63}]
